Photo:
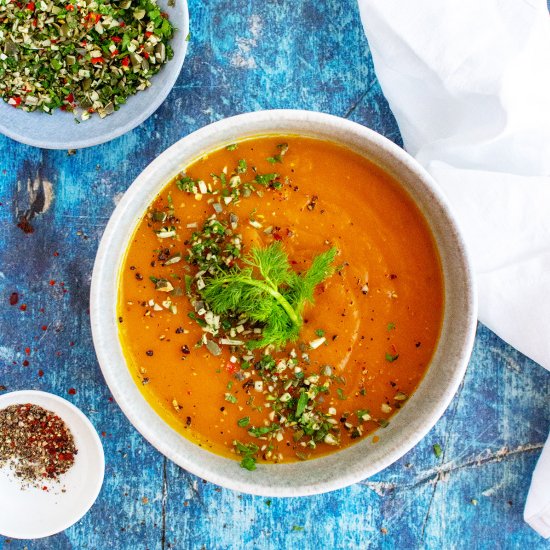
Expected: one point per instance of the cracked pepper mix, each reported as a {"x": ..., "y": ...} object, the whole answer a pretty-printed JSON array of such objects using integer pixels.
[{"x": 35, "y": 443}]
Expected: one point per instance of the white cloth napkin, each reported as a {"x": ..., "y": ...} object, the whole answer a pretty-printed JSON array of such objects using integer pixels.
[{"x": 469, "y": 84}]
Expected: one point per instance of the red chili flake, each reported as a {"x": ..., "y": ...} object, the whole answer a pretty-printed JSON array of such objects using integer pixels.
[
  {"x": 25, "y": 363},
  {"x": 44, "y": 327},
  {"x": 125, "y": 62},
  {"x": 52, "y": 282},
  {"x": 71, "y": 391},
  {"x": 71, "y": 344},
  {"x": 41, "y": 373},
  {"x": 14, "y": 298},
  {"x": 28, "y": 351},
  {"x": 23, "y": 222},
  {"x": 231, "y": 368},
  {"x": 56, "y": 254},
  {"x": 103, "y": 434},
  {"x": 44, "y": 488},
  {"x": 23, "y": 307},
  {"x": 111, "y": 399}
]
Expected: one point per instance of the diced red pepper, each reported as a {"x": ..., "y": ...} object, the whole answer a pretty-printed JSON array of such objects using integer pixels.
[
  {"x": 69, "y": 7},
  {"x": 70, "y": 98},
  {"x": 96, "y": 60},
  {"x": 146, "y": 55},
  {"x": 31, "y": 6},
  {"x": 126, "y": 61},
  {"x": 116, "y": 39},
  {"x": 148, "y": 34},
  {"x": 115, "y": 52},
  {"x": 231, "y": 368},
  {"x": 15, "y": 101}
]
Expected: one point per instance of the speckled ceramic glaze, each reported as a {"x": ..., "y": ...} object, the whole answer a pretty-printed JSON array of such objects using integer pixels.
[
  {"x": 60, "y": 131},
  {"x": 407, "y": 427}
]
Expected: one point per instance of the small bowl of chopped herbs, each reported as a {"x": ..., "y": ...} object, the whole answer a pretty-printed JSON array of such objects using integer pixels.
[{"x": 77, "y": 73}]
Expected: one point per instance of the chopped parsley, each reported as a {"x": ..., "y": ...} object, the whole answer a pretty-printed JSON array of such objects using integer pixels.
[{"x": 79, "y": 56}]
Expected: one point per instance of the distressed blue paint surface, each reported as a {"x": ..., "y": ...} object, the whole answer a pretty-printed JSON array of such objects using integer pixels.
[{"x": 249, "y": 55}]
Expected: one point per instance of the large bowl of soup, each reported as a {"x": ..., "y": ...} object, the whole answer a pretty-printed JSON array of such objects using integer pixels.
[{"x": 282, "y": 303}]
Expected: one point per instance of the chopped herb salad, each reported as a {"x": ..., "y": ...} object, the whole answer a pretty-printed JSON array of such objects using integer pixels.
[{"x": 82, "y": 56}]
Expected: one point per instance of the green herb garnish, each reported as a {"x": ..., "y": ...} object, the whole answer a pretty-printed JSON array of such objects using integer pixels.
[
  {"x": 248, "y": 453},
  {"x": 302, "y": 402},
  {"x": 243, "y": 422},
  {"x": 268, "y": 291},
  {"x": 437, "y": 450}
]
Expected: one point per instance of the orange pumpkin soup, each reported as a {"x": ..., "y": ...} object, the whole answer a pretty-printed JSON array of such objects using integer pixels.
[{"x": 280, "y": 299}]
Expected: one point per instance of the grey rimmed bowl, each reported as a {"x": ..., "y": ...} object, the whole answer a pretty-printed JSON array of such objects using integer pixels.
[
  {"x": 60, "y": 131},
  {"x": 408, "y": 426}
]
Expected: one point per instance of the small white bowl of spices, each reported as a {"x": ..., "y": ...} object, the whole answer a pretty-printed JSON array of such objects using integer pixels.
[{"x": 51, "y": 464}]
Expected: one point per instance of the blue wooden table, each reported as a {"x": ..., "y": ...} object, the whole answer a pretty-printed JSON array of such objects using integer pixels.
[{"x": 243, "y": 56}]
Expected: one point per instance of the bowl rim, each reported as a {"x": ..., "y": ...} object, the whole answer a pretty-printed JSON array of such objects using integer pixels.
[
  {"x": 175, "y": 65},
  {"x": 104, "y": 268}
]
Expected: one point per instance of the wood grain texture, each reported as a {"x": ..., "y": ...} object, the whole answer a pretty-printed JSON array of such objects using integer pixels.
[{"x": 244, "y": 56}]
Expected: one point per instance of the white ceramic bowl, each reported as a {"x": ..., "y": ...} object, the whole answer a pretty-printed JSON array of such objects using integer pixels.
[
  {"x": 59, "y": 131},
  {"x": 32, "y": 513},
  {"x": 421, "y": 411}
]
